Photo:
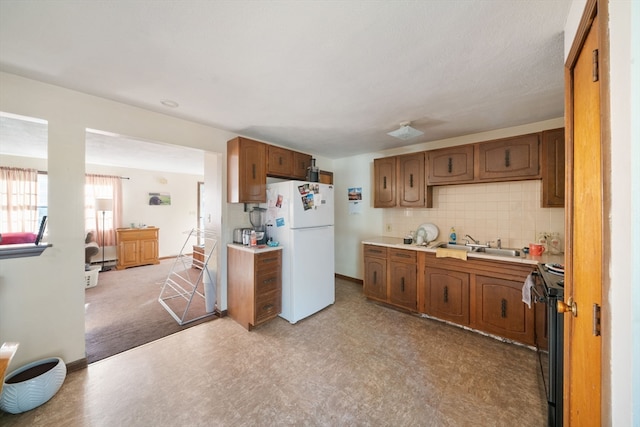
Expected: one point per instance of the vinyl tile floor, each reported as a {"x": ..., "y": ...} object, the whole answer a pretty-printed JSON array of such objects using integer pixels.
[{"x": 355, "y": 363}]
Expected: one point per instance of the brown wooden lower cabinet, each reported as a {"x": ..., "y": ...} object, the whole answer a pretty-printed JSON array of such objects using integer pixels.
[
  {"x": 254, "y": 285},
  {"x": 447, "y": 295},
  {"x": 402, "y": 285},
  {"x": 375, "y": 280},
  {"x": 485, "y": 295},
  {"x": 391, "y": 276},
  {"x": 500, "y": 309},
  {"x": 136, "y": 246}
]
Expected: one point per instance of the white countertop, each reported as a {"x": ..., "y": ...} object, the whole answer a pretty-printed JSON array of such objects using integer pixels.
[
  {"x": 396, "y": 242},
  {"x": 254, "y": 249}
]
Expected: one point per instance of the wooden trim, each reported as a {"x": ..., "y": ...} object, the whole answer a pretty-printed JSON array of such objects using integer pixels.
[
  {"x": 604, "y": 56},
  {"x": 590, "y": 11},
  {"x": 348, "y": 278},
  {"x": 77, "y": 365}
]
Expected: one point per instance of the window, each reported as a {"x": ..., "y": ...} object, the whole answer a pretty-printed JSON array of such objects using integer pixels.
[
  {"x": 18, "y": 200},
  {"x": 102, "y": 187}
]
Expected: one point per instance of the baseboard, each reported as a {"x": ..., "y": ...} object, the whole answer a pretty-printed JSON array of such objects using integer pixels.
[
  {"x": 77, "y": 365},
  {"x": 350, "y": 279}
]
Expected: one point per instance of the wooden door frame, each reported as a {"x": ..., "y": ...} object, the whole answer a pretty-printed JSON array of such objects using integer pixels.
[{"x": 601, "y": 9}]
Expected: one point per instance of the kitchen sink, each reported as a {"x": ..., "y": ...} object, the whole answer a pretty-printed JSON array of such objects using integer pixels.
[
  {"x": 480, "y": 250},
  {"x": 459, "y": 247},
  {"x": 488, "y": 251},
  {"x": 500, "y": 252}
]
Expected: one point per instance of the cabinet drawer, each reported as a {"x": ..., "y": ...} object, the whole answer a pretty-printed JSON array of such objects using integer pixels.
[
  {"x": 375, "y": 251},
  {"x": 402, "y": 255},
  {"x": 267, "y": 282},
  {"x": 268, "y": 306},
  {"x": 268, "y": 261},
  {"x": 141, "y": 234}
]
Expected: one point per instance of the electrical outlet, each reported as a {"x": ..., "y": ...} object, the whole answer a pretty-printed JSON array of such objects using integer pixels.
[{"x": 388, "y": 227}]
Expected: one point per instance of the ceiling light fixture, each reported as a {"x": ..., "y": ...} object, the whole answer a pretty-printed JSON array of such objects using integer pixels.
[
  {"x": 405, "y": 132},
  {"x": 169, "y": 103}
]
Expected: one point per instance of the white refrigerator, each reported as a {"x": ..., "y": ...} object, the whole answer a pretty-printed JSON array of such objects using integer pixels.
[{"x": 300, "y": 217}]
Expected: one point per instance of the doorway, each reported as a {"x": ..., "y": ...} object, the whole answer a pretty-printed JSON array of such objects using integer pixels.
[
  {"x": 123, "y": 311},
  {"x": 588, "y": 201}
]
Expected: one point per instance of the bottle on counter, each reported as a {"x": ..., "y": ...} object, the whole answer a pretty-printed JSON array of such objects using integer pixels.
[
  {"x": 452, "y": 236},
  {"x": 555, "y": 245}
]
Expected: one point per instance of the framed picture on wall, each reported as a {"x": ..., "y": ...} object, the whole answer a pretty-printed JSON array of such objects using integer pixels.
[{"x": 159, "y": 199}]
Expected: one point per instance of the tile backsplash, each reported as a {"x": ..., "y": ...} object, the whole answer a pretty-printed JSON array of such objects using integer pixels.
[{"x": 507, "y": 210}]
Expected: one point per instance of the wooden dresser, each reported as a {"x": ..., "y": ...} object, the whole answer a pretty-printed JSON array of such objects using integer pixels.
[
  {"x": 254, "y": 284},
  {"x": 136, "y": 246}
]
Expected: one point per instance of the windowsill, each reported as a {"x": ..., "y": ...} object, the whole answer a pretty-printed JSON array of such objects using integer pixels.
[{"x": 22, "y": 250}]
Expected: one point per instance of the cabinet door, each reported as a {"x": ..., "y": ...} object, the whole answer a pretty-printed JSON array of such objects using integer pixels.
[
  {"x": 301, "y": 163},
  {"x": 553, "y": 160},
  {"x": 447, "y": 295},
  {"x": 148, "y": 251},
  {"x": 450, "y": 165},
  {"x": 500, "y": 309},
  {"x": 384, "y": 175},
  {"x": 375, "y": 278},
  {"x": 402, "y": 285},
  {"x": 326, "y": 177},
  {"x": 128, "y": 253},
  {"x": 279, "y": 162},
  {"x": 411, "y": 180},
  {"x": 511, "y": 158},
  {"x": 246, "y": 171}
]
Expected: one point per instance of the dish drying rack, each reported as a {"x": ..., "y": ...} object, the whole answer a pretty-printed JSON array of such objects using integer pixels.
[{"x": 184, "y": 285}]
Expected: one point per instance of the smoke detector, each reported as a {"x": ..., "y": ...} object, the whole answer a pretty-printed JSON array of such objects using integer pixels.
[{"x": 405, "y": 132}]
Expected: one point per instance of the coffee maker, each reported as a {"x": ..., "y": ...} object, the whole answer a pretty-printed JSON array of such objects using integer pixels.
[{"x": 257, "y": 219}]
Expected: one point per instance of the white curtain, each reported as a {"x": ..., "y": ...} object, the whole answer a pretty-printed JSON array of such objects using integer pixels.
[
  {"x": 18, "y": 200},
  {"x": 103, "y": 187}
]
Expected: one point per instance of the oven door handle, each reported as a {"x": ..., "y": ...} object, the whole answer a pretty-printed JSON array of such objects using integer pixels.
[{"x": 538, "y": 296}]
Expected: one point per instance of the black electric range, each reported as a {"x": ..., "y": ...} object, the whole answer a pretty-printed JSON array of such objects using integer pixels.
[{"x": 553, "y": 291}]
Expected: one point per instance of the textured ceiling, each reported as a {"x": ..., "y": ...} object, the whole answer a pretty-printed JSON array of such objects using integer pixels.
[{"x": 325, "y": 77}]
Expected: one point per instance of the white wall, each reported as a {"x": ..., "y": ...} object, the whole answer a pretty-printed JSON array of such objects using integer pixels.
[
  {"x": 42, "y": 298},
  {"x": 472, "y": 208},
  {"x": 624, "y": 269},
  {"x": 172, "y": 220}
]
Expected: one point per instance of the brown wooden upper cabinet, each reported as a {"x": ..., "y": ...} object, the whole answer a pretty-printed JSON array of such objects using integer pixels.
[
  {"x": 279, "y": 161},
  {"x": 553, "y": 160},
  {"x": 400, "y": 181},
  {"x": 287, "y": 164},
  {"x": 450, "y": 165},
  {"x": 246, "y": 171},
  {"x": 301, "y": 163},
  {"x": 411, "y": 180},
  {"x": 384, "y": 187},
  {"x": 249, "y": 163},
  {"x": 509, "y": 158}
]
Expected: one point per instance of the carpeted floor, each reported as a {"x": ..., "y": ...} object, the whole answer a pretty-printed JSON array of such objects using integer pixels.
[{"x": 123, "y": 312}]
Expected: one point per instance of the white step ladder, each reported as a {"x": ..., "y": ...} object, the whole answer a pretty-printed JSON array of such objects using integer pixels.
[{"x": 183, "y": 293}]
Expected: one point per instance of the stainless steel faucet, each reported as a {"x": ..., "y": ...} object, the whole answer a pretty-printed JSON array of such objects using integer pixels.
[
  {"x": 477, "y": 242},
  {"x": 499, "y": 243}
]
